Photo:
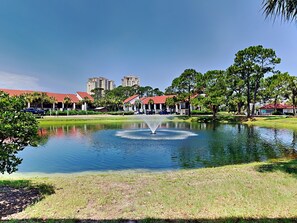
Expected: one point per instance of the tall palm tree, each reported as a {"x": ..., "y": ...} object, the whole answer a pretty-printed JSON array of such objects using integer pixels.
[
  {"x": 29, "y": 98},
  {"x": 43, "y": 98},
  {"x": 67, "y": 101},
  {"x": 287, "y": 9}
]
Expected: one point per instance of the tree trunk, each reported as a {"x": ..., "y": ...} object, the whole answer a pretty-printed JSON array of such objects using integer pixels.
[
  {"x": 248, "y": 97},
  {"x": 255, "y": 97},
  {"x": 189, "y": 98},
  {"x": 214, "y": 112},
  {"x": 275, "y": 100},
  {"x": 239, "y": 108},
  {"x": 293, "y": 101}
]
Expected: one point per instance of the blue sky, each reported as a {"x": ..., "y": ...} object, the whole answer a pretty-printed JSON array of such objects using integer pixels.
[{"x": 55, "y": 45}]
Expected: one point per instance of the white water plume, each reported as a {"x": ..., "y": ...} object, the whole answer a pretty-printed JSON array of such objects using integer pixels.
[{"x": 153, "y": 121}]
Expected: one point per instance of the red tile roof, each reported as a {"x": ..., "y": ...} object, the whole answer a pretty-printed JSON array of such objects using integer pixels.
[
  {"x": 85, "y": 94},
  {"x": 277, "y": 106},
  {"x": 16, "y": 92},
  {"x": 131, "y": 98},
  {"x": 59, "y": 97},
  {"x": 156, "y": 99}
]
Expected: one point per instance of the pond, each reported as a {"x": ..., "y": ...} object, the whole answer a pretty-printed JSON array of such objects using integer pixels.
[{"x": 130, "y": 146}]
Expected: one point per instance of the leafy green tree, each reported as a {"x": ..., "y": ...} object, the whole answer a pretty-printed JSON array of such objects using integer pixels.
[
  {"x": 170, "y": 102},
  {"x": 170, "y": 90},
  {"x": 264, "y": 62},
  {"x": 235, "y": 89},
  {"x": 277, "y": 86},
  {"x": 18, "y": 129},
  {"x": 251, "y": 64},
  {"x": 215, "y": 90},
  {"x": 292, "y": 88},
  {"x": 287, "y": 9},
  {"x": 157, "y": 92},
  {"x": 188, "y": 83},
  {"x": 97, "y": 93}
]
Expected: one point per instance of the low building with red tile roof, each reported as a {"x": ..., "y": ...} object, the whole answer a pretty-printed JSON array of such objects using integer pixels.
[
  {"x": 157, "y": 99},
  {"x": 82, "y": 95},
  {"x": 58, "y": 97},
  {"x": 131, "y": 99},
  {"x": 281, "y": 108},
  {"x": 16, "y": 92},
  {"x": 158, "y": 105}
]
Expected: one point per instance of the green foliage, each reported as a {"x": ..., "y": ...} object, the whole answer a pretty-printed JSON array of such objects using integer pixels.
[
  {"x": 151, "y": 102},
  {"x": 250, "y": 66},
  {"x": 17, "y": 130},
  {"x": 277, "y": 86},
  {"x": 287, "y": 9},
  {"x": 90, "y": 112},
  {"x": 277, "y": 113},
  {"x": 170, "y": 102},
  {"x": 202, "y": 112},
  {"x": 188, "y": 83},
  {"x": 215, "y": 89},
  {"x": 121, "y": 113},
  {"x": 38, "y": 99},
  {"x": 67, "y": 101}
]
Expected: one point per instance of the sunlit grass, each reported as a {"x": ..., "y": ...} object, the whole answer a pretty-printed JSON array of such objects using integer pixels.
[
  {"x": 275, "y": 122},
  {"x": 239, "y": 191}
]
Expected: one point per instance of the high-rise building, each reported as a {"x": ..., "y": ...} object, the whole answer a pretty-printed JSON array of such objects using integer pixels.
[
  {"x": 130, "y": 81},
  {"x": 100, "y": 83}
]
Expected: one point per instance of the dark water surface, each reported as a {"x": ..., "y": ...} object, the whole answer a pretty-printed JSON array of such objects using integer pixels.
[{"x": 75, "y": 148}]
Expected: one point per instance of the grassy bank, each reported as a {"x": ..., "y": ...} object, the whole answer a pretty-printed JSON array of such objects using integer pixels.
[
  {"x": 225, "y": 194},
  {"x": 90, "y": 119},
  {"x": 98, "y": 119},
  {"x": 275, "y": 122}
]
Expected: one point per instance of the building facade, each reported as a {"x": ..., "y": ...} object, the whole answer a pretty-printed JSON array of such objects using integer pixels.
[
  {"x": 129, "y": 81},
  {"x": 58, "y": 100},
  {"x": 99, "y": 82}
]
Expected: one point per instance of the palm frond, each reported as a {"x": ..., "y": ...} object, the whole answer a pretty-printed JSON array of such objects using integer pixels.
[{"x": 287, "y": 9}]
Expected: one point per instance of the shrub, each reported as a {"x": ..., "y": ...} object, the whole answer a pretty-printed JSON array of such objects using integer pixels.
[
  {"x": 277, "y": 113},
  {"x": 202, "y": 112},
  {"x": 121, "y": 113}
]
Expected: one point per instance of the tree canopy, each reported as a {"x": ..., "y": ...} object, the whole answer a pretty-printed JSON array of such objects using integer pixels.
[{"x": 18, "y": 129}]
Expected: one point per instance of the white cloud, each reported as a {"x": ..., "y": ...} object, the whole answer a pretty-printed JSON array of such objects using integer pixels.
[{"x": 18, "y": 81}]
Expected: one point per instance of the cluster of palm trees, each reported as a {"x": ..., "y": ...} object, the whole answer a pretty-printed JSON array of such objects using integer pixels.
[{"x": 39, "y": 99}]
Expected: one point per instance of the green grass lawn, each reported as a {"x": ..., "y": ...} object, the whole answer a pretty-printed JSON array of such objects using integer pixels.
[
  {"x": 92, "y": 119},
  {"x": 257, "y": 192},
  {"x": 263, "y": 192},
  {"x": 275, "y": 122},
  {"x": 97, "y": 119}
]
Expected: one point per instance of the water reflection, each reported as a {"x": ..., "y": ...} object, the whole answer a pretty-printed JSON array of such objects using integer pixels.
[{"x": 73, "y": 148}]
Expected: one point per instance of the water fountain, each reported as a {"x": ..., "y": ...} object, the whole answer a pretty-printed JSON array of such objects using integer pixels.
[{"x": 152, "y": 121}]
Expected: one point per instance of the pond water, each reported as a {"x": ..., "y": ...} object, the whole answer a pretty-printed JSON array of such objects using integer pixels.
[{"x": 126, "y": 146}]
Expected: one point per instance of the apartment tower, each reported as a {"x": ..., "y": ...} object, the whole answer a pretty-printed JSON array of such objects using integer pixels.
[
  {"x": 101, "y": 83},
  {"x": 129, "y": 81}
]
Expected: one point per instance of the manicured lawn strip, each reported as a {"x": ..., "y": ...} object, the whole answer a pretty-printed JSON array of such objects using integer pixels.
[
  {"x": 86, "y": 120},
  {"x": 227, "y": 193},
  {"x": 46, "y": 121},
  {"x": 275, "y": 122}
]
